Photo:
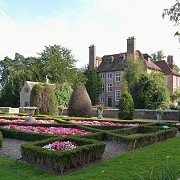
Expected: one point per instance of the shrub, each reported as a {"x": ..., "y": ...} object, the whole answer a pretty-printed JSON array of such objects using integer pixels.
[
  {"x": 126, "y": 106},
  {"x": 43, "y": 97},
  {"x": 80, "y": 103}
]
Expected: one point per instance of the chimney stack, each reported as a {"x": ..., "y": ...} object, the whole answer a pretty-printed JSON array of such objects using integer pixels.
[
  {"x": 92, "y": 57},
  {"x": 170, "y": 59},
  {"x": 131, "y": 46}
]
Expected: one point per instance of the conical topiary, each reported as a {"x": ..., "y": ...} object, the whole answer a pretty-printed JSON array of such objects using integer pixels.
[
  {"x": 80, "y": 102},
  {"x": 126, "y": 106}
]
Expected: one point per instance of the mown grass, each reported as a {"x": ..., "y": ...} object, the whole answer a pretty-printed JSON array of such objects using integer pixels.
[{"x": 125, "y": 167}]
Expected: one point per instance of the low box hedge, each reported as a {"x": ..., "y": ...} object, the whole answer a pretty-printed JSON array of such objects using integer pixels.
[
  {"x": 87, "y": 150},
  {"x": 1, "y": 139},
  {"x": 32, "y": 136},
  {"x": 136, "y": 137}
]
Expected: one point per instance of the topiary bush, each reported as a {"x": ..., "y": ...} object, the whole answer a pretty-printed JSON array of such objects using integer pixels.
[
  {"x": 126, "y": 106},
  {"x": 43, "y": 97},
  {"x": 80, "y": 102}
]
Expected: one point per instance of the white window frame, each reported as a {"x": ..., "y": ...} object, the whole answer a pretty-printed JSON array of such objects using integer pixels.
[
  {"x": 102, "y": 100},
  {"x": 117, "y": 77},
  {"x": 109, "y": 75},
  {"x": 117, "y": 95},
  {"x": 102, "y": 76},
  {"x": 109, "y": 87}
]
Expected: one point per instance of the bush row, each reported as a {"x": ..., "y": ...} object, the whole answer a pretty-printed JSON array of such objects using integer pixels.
[
  {"x": 136, "y": 137},
  {"x": 1, "y": 139},
  {"x": 87, "y": 150}
]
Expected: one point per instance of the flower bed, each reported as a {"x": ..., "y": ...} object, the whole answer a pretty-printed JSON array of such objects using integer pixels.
[
  {"x": 85, "y": 151},
  {"x": 59, "y": 131},
  {"x": 15, "y": 121},
  {"x": 61, "y": 146},
  {"x": 102, "y": 123}
]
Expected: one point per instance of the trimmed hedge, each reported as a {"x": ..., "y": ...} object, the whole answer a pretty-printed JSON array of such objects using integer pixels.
[
  {"x": 87, "y": 150},
  {"x": 131, "y": 138},
  {"x": 1, "y": 139}
]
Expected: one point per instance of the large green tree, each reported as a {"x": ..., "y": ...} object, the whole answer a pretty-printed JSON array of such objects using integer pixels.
[
  {"x": 174, "y": 14},
  {"x": 93, "y": 86},
  {"x": 55, "y": 61},
  {"x": 158, "y": 56},
  {"x": 134, "y": 68}
]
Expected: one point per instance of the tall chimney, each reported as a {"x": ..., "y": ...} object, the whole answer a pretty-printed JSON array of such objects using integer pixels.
[
  {"x": 131, "y": 46},
  {"x": 92, "y": 57},
  {"x": 170, "y": 59}
]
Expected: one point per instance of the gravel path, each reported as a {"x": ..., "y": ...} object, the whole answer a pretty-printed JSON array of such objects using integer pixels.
[{"x": 11, "y": 149}]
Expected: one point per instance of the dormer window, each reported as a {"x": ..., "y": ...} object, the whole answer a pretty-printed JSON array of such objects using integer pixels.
[{"x": 109, "y": 61}]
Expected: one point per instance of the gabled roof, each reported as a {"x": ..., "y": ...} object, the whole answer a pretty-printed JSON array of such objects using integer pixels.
[
  {"x": 117, "y": 62},
  {"x": 31, "y": 84},
  {"x": 166, "y": 67}
]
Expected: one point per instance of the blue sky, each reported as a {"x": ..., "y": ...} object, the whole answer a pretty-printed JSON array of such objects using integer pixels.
[{"x": 26, "y": 26}]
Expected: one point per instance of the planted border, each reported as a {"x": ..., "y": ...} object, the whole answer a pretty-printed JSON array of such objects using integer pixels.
[
  {"x": 87, "y": 150},
  {"x": 151, "y": 134},
  {"x": 1, "y": 139}
]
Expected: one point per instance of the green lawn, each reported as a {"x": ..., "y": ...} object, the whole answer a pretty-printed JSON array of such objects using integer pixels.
[{"x": 125, "y": 167}]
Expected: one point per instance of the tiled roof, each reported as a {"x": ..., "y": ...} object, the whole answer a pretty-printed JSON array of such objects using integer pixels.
[
  {"x": 116, "y": 62},
  {"x": 166, "y": 68}
]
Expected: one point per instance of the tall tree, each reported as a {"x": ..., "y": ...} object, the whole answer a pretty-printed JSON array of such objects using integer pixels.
[
  {"x": 133, "y": 70},
  {"x": 174, "y": 14},
  {"x": 158, "y": 56},
  {"x": 93, "y": 86}
]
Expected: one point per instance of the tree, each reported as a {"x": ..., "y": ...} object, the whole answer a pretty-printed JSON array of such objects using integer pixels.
[
  {"x": 157, "y": 95},
  {"x": 80, "y": 102},
  {"x": 126, "y": 106},
  {"x": 174, "y": 14},
  {"x": 43, "y": 97},
  {"x": 158, "y": 56},
  {"x": 134, "y": 68},
  {"x": 93, "y": 86},
  {"x": 63, "y": 93},
  {"x": 10, "y": 93}
]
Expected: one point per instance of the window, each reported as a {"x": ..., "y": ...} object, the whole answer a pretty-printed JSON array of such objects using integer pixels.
[
  {"x": 109, "y": 87},
  {"x": 26, "y": 90},
  {"x": 102, "y": 87},
  {"x": 109, "y": 75},
  {"x": 26, "y": 104},
  {"x": 102, "y": 76},
  {"x": 117, "y": 77},
  {"x": 102, "y": 100},
  {"x": 117, "y": 95}
]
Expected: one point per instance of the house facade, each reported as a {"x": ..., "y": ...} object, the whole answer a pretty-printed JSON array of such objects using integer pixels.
[
  {"x": 111, "y": 70},
  {"x": 25, "y": 92}
]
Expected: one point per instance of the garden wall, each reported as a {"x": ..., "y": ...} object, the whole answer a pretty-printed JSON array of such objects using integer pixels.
[{"x": 139, "y": 114}]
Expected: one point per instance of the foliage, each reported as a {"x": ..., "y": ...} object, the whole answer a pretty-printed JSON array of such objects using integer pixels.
[
  {"x": 133, "y": 70},
  {"x": 158, "y": 56},
  {"x": 100, "y": 106},
  {"x": 55, "y": 61},
  {"x": 63, "y": 93},
  {"x": 175, "y": 96},
  {"x": 126, "y": 106},
  {"x": 80, "y": 102},
  {"x": 10, "y": 94},
  {"x": 174, "y": 14},
  {"x": 157, "y": 95},
  {"x": 44, "y": 98},
  {"x": 93, "y": 86}
]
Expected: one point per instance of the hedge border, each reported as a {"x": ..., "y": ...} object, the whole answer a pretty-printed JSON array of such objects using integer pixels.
[{"x": 88, "y": 150}]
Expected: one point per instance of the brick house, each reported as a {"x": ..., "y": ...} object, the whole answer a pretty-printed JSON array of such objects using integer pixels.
[
  {"x": 25, "y": 92},
  {"x": 111, "y": 70},
  {"x": 172, "y": 77}
]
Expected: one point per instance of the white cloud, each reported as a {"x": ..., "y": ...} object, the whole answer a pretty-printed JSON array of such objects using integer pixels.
[{"x": 141, "y": 19}]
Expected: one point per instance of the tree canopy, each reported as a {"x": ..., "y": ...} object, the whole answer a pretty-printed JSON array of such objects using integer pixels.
[
  {"x": 174, "y": 14},
  {"x": 55, "y": 61}
]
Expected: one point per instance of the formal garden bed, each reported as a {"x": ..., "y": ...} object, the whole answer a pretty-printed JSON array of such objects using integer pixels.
[{"x": 129, "y": 134}]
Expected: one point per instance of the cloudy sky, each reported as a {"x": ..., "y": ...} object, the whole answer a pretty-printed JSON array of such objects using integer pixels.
[{"x": 27, "y": 26}]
